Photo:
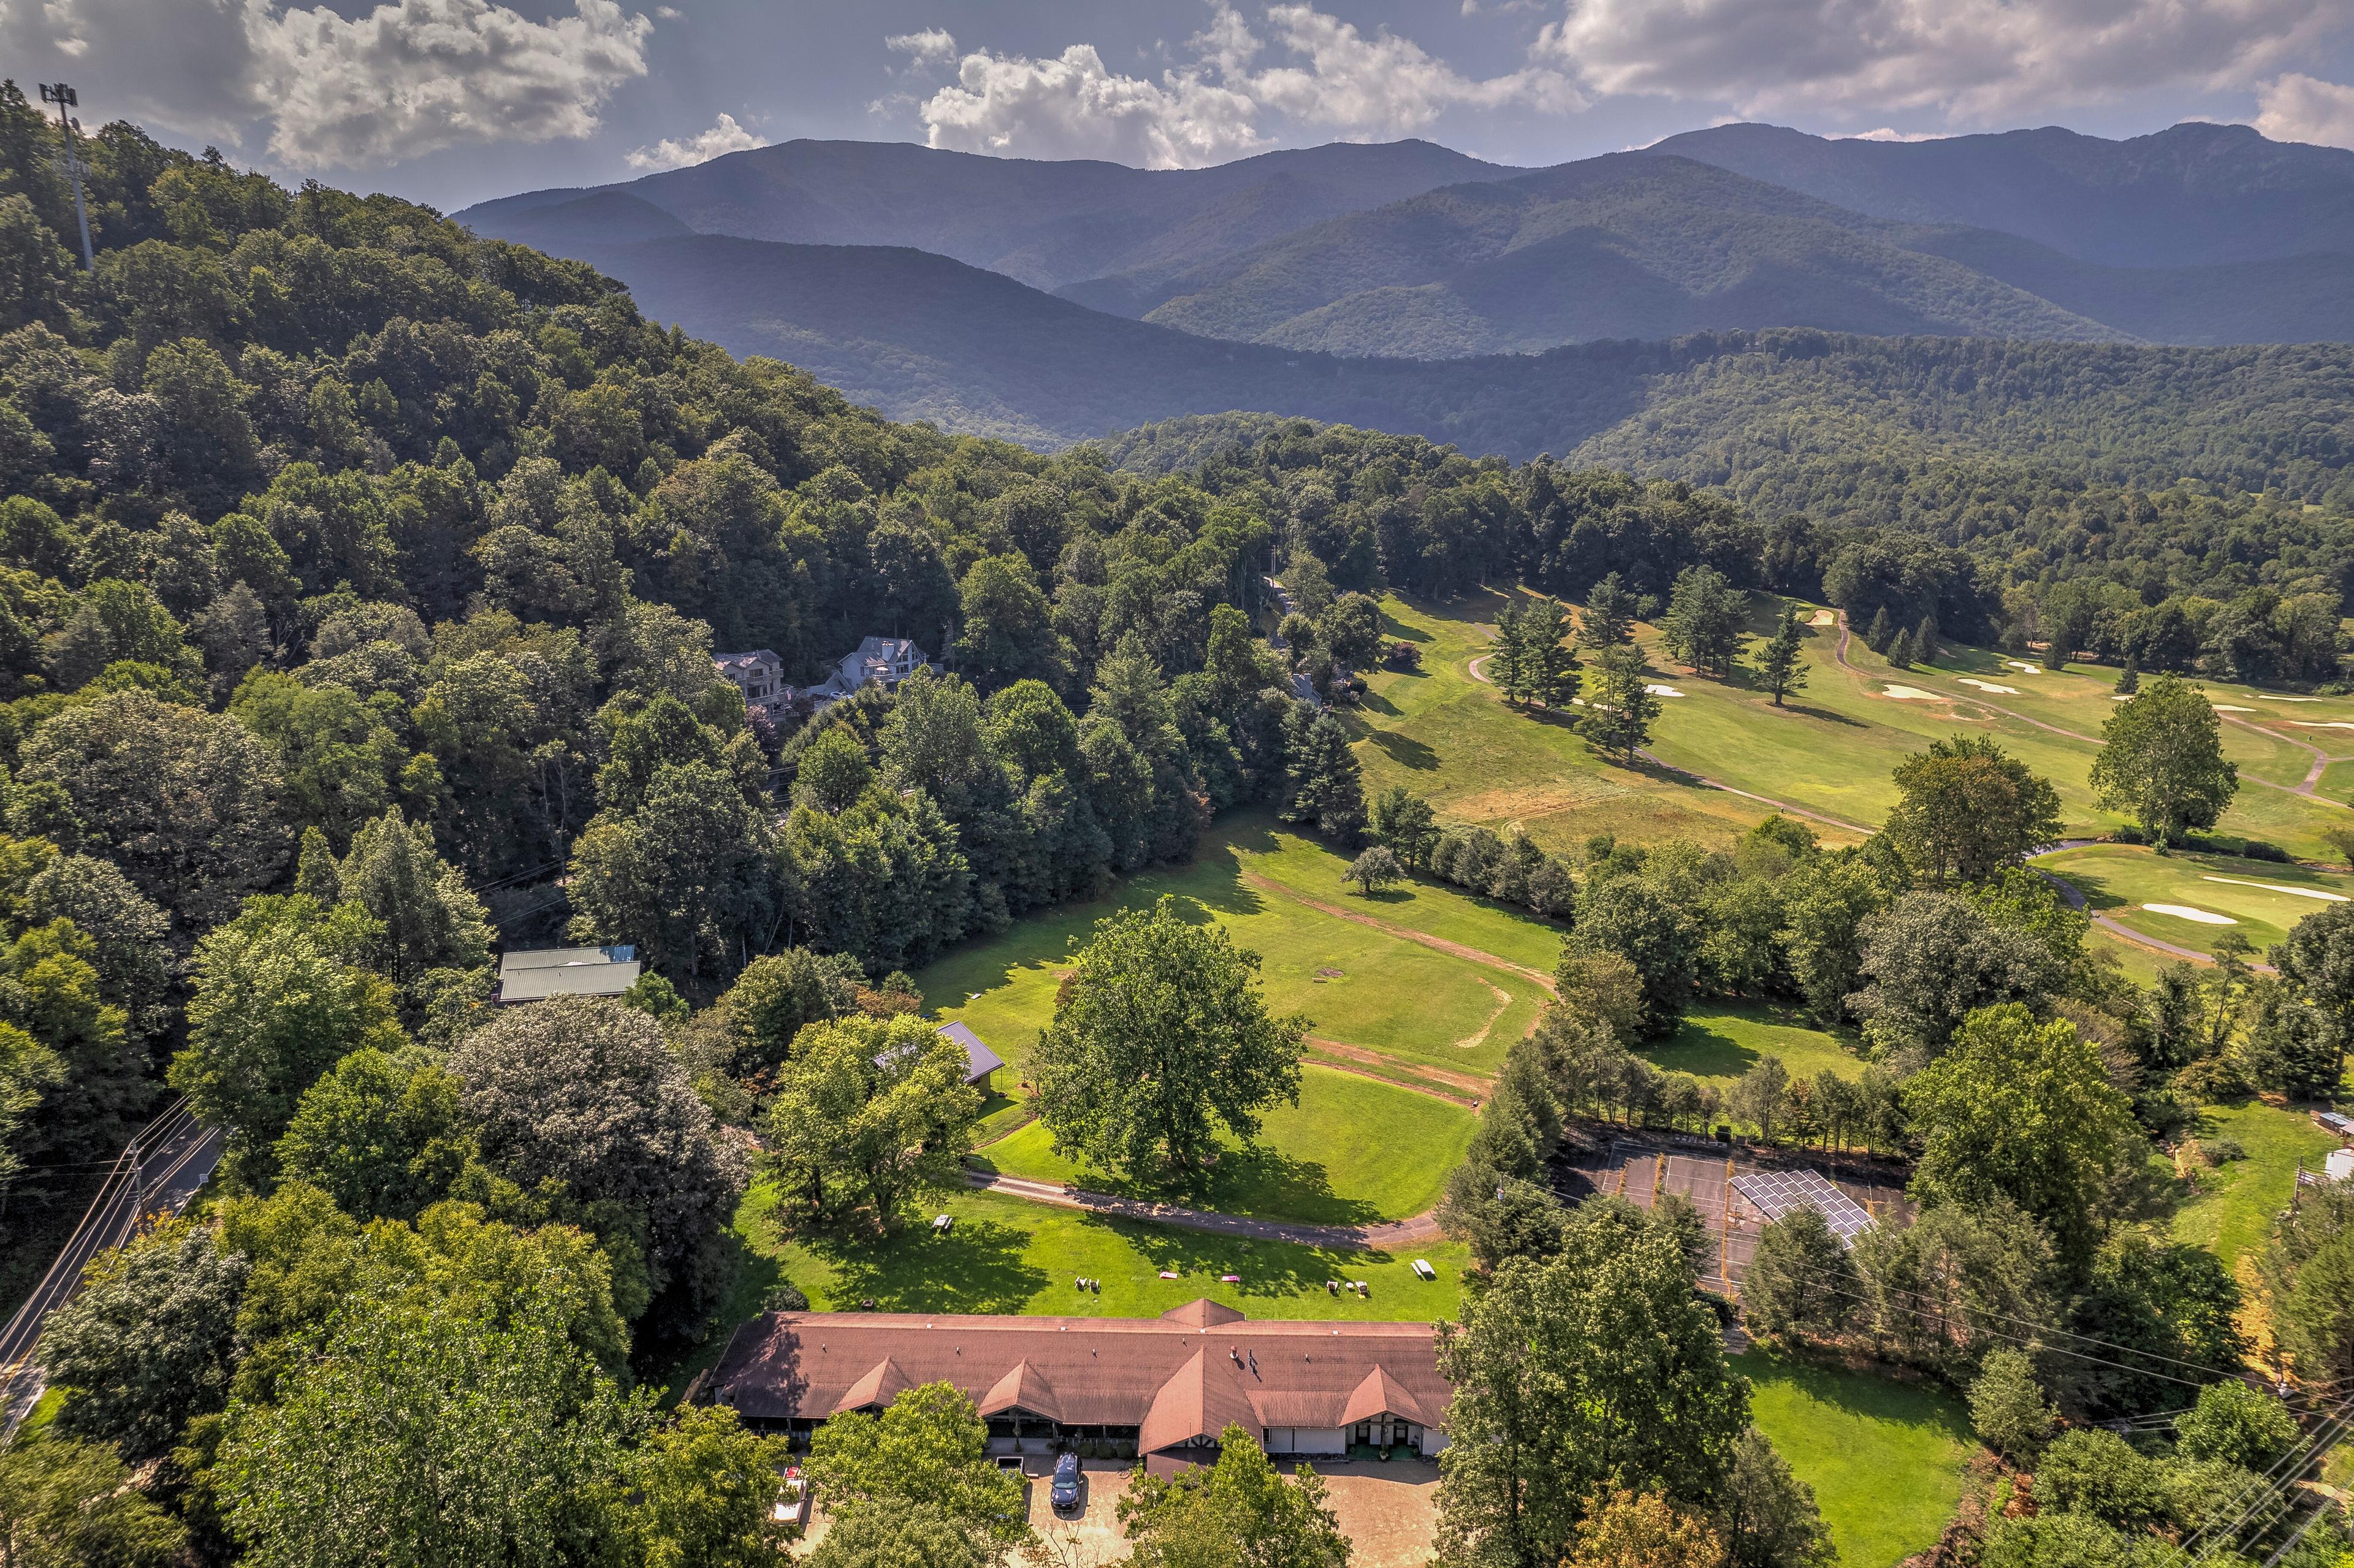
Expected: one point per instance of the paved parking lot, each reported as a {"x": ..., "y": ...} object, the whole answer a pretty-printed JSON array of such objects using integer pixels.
[{"x": 1387, "y": 1512}]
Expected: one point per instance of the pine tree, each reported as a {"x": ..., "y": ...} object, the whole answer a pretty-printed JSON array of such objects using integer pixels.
[
  {"x": 1876, "y": 635},
  {"x": 1508, "y": 665},
  {"x": 1900, "y": 649},
  {"x": 1609, "y": 618},
  {"x": 1925, "y": 640},
  {"x": 1780, "y": 665},
  {"x": 1548, "y": 661},
  {"x": 2130, "y": 682},
  {"x": 1619, "y": 710},
  {"x": 1327, "y": 788}
]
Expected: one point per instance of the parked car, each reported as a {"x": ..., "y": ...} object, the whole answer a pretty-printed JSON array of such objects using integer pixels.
[
  {"x": 793, "y": 1507},
  {"x": 1065, "y": 1493}
]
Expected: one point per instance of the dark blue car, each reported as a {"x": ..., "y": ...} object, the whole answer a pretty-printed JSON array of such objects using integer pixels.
[{"x": 1065, "y": 1494}]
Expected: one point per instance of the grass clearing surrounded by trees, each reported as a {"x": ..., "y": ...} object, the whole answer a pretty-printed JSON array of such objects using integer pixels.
[
  {"x": 2232, "y": 1214},
  {"x": 1353, "y": 1151},
  {"x": 1887, "y": 1460},
  {"x": 1718, "y": 1043}
]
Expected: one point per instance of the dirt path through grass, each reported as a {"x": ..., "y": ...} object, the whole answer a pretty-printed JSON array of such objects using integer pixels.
[
  {"x": 1475, "y": 1087},
  {"x": 1422, "y": 1227}
]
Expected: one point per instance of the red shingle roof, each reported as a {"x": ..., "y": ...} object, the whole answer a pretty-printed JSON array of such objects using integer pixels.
[{"x": 1183, "y": 1375}]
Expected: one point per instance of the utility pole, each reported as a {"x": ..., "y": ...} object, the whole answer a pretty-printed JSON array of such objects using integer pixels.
[{"x": 61, "y": 95}]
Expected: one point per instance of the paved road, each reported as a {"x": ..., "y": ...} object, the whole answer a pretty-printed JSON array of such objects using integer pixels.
[
  {"x": 158, "y": 1171},
  {"x": 2075, "y": 898},
  {"x": 1422, "y": 1228}
]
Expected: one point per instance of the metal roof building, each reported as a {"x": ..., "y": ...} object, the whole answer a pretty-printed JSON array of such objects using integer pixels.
[{"x": 542, "y": 972}]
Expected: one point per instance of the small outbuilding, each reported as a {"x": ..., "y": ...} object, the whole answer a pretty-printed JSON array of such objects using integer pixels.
[{"x": 542, "y": 972}]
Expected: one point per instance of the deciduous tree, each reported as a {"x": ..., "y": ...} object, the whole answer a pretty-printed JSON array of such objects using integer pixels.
[
  {"x": 871, "y": 1115},
  {"x": 1160, "y": 1037},
  {"x": 928, "y": 1447},
  {"x": 1966, "y": 807},
  {"x": 2161, "y": 760}
]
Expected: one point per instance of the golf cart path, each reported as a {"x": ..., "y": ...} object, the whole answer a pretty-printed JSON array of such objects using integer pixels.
[
  {"x": 2075, "y": 898},
  {"x": 1705, "y": 782},
  {"x": 2321, "y": 759},
  {"x": 1422, "y": 1228}
]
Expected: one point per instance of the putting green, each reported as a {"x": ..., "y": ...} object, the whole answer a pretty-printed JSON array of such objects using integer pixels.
[{"x": 2262, "y": 898}]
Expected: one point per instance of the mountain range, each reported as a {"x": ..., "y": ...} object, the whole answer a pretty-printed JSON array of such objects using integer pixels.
[{"x": 1052, "y": 301}]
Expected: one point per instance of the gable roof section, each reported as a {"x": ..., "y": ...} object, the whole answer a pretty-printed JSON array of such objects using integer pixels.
[
  {"x": 1024, "y": 1387},
  {"x": 1202, "y": 1400},
  {"x": 1382, "y": 1395},
  {"x": 1202, "y": 1313},
  {"x": 883, "y": 1383}
]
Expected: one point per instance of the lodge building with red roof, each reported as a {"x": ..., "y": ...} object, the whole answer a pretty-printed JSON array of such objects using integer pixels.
[{"x": 1163, "y": 1388}]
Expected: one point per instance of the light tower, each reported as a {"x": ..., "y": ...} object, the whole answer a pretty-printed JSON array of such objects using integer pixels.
[{"x": 61, "y": 95}]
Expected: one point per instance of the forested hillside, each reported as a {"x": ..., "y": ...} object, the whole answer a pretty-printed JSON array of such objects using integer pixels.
[
  {"x": 1633, "y": 245},
  {"x": 2191, "y": 195},
  {"x": 1046, "y": 223},
  {"x": 921, "y": 337}
]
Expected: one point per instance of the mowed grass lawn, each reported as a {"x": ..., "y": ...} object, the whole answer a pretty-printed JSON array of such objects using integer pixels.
[
  {"x": 1356, "y": 983},
  {"x": 1834, "y": 742},
  {"x": 1887, "y": 1460},
  {"x": 2232, "y": 1212},
  {"x": 1449, "y": 738},
  {"x": 2261, "y": 899},
  {"x": 1008, "y": 1256},
  {"x": 1353, "y": 1151},
  {"x": 1718, "y": 1044}
]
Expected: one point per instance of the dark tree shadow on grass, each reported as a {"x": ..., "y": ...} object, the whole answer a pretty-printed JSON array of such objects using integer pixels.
[
  {"x": 1268, "y": 1268},
  {"x": 1825, "y": 714},
  {"x": 978, "y": 1266},
  {"x": 1404, "y": 750}
]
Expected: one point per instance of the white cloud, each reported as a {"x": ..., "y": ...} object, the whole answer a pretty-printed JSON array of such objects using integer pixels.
[
  {"x": 1890, "y": 133},
  {"x": 2306, "y": 109},
  {"x": 1072, "y": 107},
  {"x": 1335, "y": 79},
  {"x": 1386, "y": 85},
  {"x": 929, "y": 47},
  {"x": 1972, "y": 60},
  {"x": 417, "y": 76},
  {"x": 725, "y": 136}
]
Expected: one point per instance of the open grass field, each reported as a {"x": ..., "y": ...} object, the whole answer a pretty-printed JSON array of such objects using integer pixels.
[
  {"x": 1352, "y": 1151},
  {"x": 1887, "y": 1460},
  {"x": 2232, "y": 1212},
  {"x": 1008, "y": 1256},
  {"x": 2261, "y": 899},
  {"x": 1829, "y": 749},
  {"x": 1362, "y": 985},
  {"x": 1719, "y": 1043}
]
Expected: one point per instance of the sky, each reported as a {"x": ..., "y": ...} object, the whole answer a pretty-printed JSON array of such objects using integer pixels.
[{"x": 451, "y": 102}]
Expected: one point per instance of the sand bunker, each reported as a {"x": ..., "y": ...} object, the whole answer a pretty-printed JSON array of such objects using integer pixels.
[
  {"x": 2120, "y": 699},
  {"x": 1824, "y": 618},
  {"x": 2319, "y": 724},
  {"x": 2268, "y": 697},
  {"x": 2024, "y": 669},
  {"x": 2184, "y": 912},
  {"x": 2321, "y": 892},
  {"x": 1659, "y": 691},
  {"x": 1912, "y": 694},
  {"x": 1990, "y": 686},
  {"x": 2230, "y": 707}
]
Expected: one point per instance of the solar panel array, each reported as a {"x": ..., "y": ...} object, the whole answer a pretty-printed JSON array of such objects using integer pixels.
[{"x": 1779, "y": 1192}]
